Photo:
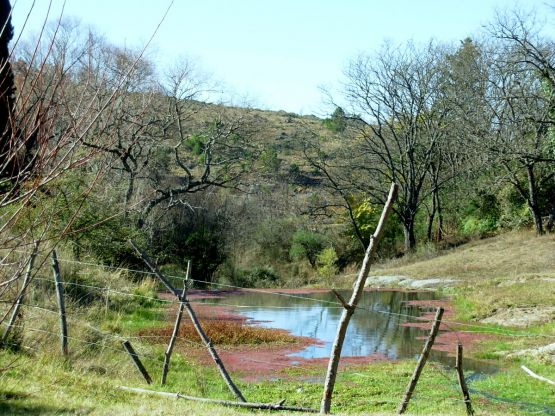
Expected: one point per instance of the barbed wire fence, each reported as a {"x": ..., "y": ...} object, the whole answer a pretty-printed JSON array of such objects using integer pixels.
[{"x": 147, "y": 347}]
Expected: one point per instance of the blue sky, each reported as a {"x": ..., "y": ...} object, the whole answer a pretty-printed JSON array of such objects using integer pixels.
[{"x": 276, "y": 53}]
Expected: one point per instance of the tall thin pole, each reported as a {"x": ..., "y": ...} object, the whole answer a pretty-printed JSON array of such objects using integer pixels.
[
  {"x": 61, "y": 303},
  {"x": 168, "y": 354},
  {"x": 137, "y": 361},
  {"x": 462, "y": 381},
  {"x": 206, "y": 341},
  {"x": 349, "y": 309},
  {"x": 421, "y": 361}
]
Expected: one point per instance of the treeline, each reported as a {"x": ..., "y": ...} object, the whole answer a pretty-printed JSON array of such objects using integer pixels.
[
  {"x": 466, "y": 131},
  {"x": 100, "y": 145}
]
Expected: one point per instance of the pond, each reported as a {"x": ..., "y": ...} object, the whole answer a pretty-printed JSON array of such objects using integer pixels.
[{"x": 375, "y": 328}]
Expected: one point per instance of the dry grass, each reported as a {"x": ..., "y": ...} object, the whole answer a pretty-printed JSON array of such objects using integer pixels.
[
  {"x": 506, "y": 272},
  {"x": 510, "y": 256}
]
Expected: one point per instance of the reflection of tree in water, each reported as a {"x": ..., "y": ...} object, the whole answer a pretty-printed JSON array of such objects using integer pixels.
[{"x": 376, "y": 325}]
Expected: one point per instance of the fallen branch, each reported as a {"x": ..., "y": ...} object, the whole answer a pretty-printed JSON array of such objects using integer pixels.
[
  {"x": 247, "y": 405},
  {"x": 536, "y": 376}
]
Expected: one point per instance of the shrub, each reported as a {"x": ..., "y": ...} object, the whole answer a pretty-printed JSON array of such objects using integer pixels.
[
  {"x": 337, "y": 122},
  {"x": 326, "y": 263},
  {"x": 273, "y": 238},
  {"x": 256, "y": 277},
  {"x": 366, "y": 216},
  {"x": 306, "y": 244},
  {"x": 482, "y": 215}
]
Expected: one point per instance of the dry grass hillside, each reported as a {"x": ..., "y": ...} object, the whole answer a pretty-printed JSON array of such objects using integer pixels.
[
  {"x": 507, "y": 280},
  {"x": 512, "y": 256}
]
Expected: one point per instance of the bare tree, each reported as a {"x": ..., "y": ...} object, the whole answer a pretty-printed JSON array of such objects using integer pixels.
[
  {"x": 50, "y": 105},
  {"x": 522, "y": 108},
  {"x": 400, "y": 119}
]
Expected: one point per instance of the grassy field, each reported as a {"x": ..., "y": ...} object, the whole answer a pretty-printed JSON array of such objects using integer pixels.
[
  {"x": 43, "y": 385},
  {"x": 507, "y": 272}
]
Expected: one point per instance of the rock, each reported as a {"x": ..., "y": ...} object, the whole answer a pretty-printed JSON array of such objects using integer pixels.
[
  {"x": 545, "y": 353},
  {"x": 385, "y": 280},
  {"x": 428, "y": 283},
  {"x": 521, "y": 317},
  {"x": 407, "y": 282}
]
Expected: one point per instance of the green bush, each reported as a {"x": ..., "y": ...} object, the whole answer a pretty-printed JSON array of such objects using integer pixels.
[
  {"x": 326, "y": 263},
  {"x": 481, "y": 215},
  {"x": 196, "y": 143},
  {"x": 337, "y": 123},
  {"x": 272, "y": 239},
  {"x": 306, "y": 244},
  {"x": 259, "y": 276},
  {"x": 366, "y": 215}
]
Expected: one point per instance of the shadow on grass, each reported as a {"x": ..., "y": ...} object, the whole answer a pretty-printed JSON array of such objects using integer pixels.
[{"x": 19, "y": 404}]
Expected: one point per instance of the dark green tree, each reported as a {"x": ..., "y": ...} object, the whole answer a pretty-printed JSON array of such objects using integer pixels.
[{"x": 337, "y": 122}]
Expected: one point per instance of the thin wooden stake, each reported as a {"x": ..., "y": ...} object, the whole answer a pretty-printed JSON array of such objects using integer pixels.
[
  {"x": 421, "y": 361},
  {"x": 155, "y": 270},
  {"x": 21, "y": 295},
  {"x": 61, "y": 303},
  {"x": 168, "y": 354},
  {"x": 206, "y": 341},
  {"x": 248, "y": 405},
  {"x": 349, "y": 308},
  {"x": 127, "y": 345},
  {"x": 462, "y": 382}
]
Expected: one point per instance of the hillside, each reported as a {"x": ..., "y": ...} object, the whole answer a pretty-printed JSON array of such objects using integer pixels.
[{"x": 508, "y": 279}]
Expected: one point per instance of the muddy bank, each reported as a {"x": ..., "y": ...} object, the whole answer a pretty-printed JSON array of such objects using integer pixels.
[
  {"x": 255, "y": 352},
  {"x": 450, "y": 332}
]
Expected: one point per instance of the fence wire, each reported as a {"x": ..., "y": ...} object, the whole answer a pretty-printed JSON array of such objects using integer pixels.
[{"x": 400, "y": 318}]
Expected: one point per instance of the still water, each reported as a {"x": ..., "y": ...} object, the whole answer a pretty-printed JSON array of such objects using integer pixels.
[{"x": 374, "y": 328}]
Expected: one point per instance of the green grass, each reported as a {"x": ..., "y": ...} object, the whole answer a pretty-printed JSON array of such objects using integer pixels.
[
  {"x": 46, "y": 385},
  {"x": 497, "y": 273}
]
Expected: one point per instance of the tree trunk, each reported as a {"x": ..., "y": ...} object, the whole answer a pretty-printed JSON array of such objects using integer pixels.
[
  {"x": 410, "y": 239},
  {"x": 7, "y": 91},
  {"x": 533, "y": 200},
  {"x": 439, "y": 218},
  {"x": 129, "y": 192},
  {"x": 551, "y": 219},
  {"x": 431, "y": 218}
]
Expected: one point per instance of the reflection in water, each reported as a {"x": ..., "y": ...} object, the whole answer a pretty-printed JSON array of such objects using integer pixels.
[{"x": 373, "y": 329}]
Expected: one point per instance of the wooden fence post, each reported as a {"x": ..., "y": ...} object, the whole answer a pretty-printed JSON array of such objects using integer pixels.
[
  {"x": 127, "y": 345},
  {"x": 462, "y": 382},
  {"x": 61, "y": 303},
  {"x": 21, "y": 295},
  {"x": 349, "y": 308},
  {"x": 206, "y": 341},
  {"x": 167, "y": 355},
  {"x": 421, "y": 361}
]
